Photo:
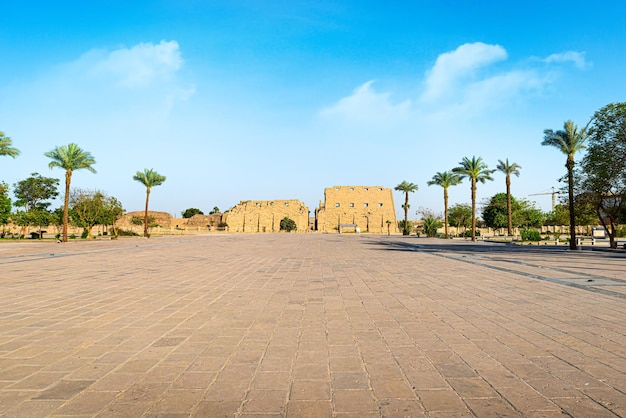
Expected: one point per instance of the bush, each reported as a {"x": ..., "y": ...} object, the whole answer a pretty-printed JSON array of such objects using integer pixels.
[
  {"x": 409, "y": 226},
  {"x": 530, "y": 235},
  {"x": 468, "y": 234},
  {"x": 126, "y": 233},
  {"x": 85, "y": 234},
  {"x": 73, "y": 236},
  {"x": 287, "y": 224},
  {"x": 431, "y": 225}
]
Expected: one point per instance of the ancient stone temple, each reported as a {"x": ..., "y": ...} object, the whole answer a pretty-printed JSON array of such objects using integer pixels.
[
  {"x": 368, "y": 208},
  {"x": 265, "y": 215}
]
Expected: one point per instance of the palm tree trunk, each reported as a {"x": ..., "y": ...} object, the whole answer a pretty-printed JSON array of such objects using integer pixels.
[
  {"x": 145, "y": 216},
  {"x": 445, "y": 209},
  {"x": 473, "y": 209},
  {"x": 508, "y": 205},
  {"x": 405, "y": 230},
  {"x": 570, "y": 191},
  {"x": 66, "y": 203}
]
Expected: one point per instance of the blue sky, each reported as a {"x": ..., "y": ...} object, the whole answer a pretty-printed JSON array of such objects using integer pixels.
[{"x": 237, "y": 100}]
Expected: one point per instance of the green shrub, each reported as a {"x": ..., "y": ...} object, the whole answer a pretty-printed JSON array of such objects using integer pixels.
[
  {"x": 530, "y": 235},
  {"x": 287, "y": 224},
  {"x": 409, "y": 226},
  {"x": 85, "y": 234},
  {"x": 73, "y": 236},
  {"x": 468, "y": 234},
  {"x": 431, "y": 225}
]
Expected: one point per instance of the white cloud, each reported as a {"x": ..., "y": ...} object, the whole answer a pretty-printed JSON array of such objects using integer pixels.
[
  {"x": 462, "y": 84},
  {"x": 451, "y": 67},
  {"x": 140, "y": 65},
  {"x": 578, "y": 58},
  {"x": 366, "y": 106}
]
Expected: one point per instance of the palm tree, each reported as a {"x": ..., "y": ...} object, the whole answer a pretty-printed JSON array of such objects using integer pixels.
[
  {"x": 477, "y": 171},
  {"x": 508, "y": 169},
  {"x": 407, "y": 188},
  {"x": 150, "y": 179},
  {"x": 6, "y": 148},
  {"x": 445, "y": 180},
  {"x": 69, "y": 158},
  {"x": 569, "y": 141}
]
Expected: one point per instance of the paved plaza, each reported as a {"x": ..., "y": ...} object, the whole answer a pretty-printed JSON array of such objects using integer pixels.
[{"x": 310, "y": 325}]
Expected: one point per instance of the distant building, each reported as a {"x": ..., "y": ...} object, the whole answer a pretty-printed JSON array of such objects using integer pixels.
[
  {"x": 265, "y": 215},
  {"x": 367, "y": 208}
]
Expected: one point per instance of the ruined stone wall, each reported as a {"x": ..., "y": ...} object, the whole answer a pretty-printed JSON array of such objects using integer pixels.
[
  {"x": 162, "y": 219},
  {"x": 205, "y": 221},
  {"x": 369, "y": 207},
  {"x": 265, "y": 215}
]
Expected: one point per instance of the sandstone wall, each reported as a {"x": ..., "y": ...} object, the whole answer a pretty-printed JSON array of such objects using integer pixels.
[
  {"x": 163, "y": 219},
  {"x": 265, "y": 215},
  {"x": 369, "y": 207}
]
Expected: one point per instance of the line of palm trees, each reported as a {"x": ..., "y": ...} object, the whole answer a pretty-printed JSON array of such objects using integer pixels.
[
  {"x": 569, "y": 141},
  {"x": 71, "y": 158},
  {"x": 474, "y": 169}
]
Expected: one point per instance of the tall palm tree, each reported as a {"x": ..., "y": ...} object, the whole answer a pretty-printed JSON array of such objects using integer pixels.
[
  {"x": 445, "y": 180},
  {"x": 569, "y": 141},
  {"x": 69, "y": 158},
  {"x": 477, "y": 171},
  {"x": 150, "y": 179},
  {"x": 407, "y": 188},
  {"x": 6, "y": 148},
  {"x": 508, "y": 169}
]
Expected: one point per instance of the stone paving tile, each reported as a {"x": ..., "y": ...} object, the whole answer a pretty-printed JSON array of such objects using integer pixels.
[{"x": 309, "y": 325}]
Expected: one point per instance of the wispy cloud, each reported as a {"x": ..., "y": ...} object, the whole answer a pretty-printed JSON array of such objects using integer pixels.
[
  {"x": 577, "y": 58},
  {"x": 366, "y": 106},
  {"x": 462, "y": 84},
  {"x": 452, "y": 67},
  {"x": 138, "y": 66}
]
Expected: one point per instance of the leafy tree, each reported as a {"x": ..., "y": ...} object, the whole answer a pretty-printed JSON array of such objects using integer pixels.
[
  {"x": 569, "y": 141},
  {"x": 508, "y": 169},
  {"x": 460, "y": 215},
  {"x": 445, "y": 179},
  {"x": 476, "y": 170},
  {"x": 431, "y": 225},
  {"x": 87, "y": 208},
  {"x": 113, "y": 211},
  {"x": 5, "y": 207},
  {"x": 495, "y": 212},
  {"x": 604, "y": 167},
  {"x": 150, "y": 179},
  {"x": 530, "y": 215},
  {"x": 407, "y": 188},
  {"x": 214, "y": 210},
  {"x": 558, "y": 216},
  {"x": 287, "y": 224},
  {"x": 523, "y": 212},
  {"x": 139, "y": 220},
  {"x": 69, "y": 158},
  {"x": 188, "y": 213},
  {"x": 33, "y": 192},
  {"x": 6, "y": 147},
  {"x": 35, "y": 217}
]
